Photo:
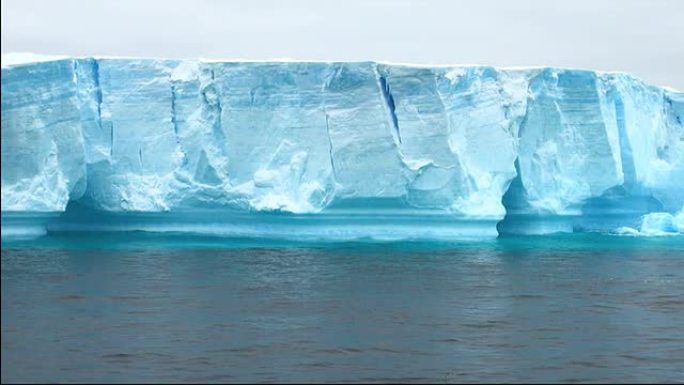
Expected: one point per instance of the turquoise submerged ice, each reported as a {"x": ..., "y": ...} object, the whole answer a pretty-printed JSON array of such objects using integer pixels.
[{"x": 334, "y": 150}]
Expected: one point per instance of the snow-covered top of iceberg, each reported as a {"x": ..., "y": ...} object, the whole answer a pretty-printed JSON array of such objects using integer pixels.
[{"x": 19, "y": 58}]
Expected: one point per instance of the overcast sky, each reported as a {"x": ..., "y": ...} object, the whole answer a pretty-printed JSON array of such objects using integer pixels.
[{"x": 645, "y": 37}]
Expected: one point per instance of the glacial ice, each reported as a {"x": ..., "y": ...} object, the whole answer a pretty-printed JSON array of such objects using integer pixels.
[
  {"x": 334, "y": 149},
  {"x": 656, "y": 224}
]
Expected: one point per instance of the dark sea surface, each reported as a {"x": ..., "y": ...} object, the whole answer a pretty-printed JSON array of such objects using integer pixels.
[{"x": 178, "y": 308}]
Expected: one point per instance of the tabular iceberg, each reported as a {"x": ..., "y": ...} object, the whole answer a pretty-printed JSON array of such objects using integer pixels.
[{"x": 333, "y": 150}]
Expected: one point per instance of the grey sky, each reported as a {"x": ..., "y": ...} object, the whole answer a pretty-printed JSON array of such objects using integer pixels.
[{"x": 645, "y": 37}]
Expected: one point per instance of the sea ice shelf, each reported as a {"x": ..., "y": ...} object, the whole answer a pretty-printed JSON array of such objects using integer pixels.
[{"x": 333, "y": 149}]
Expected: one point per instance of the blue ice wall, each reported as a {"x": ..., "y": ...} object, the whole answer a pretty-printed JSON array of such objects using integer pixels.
[{"x": 445, "y": 151}]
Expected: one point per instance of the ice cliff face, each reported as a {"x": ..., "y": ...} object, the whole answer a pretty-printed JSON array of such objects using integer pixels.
[
  {"x": 466, "y": 145},
  {"x": 43, "y": 163}
]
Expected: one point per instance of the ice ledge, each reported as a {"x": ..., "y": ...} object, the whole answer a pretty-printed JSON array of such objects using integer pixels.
[
  {"x": 335, "y": 225},
  {"x": 20, "y": 225}
]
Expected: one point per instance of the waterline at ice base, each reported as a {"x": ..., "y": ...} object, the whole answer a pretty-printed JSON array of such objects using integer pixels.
[{"x": 336, "y": 150}]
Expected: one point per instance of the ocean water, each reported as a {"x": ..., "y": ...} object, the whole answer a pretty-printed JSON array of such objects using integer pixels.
[{"x": 178, "y": 308}]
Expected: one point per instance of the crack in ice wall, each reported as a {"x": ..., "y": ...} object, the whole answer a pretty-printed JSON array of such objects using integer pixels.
[{"x": 389, "y": 99}]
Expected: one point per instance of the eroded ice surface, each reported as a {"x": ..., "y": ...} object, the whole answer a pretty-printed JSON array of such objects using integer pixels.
[
  {"x": 657, "y": 224},
  {"x": 255, "y": 147}
]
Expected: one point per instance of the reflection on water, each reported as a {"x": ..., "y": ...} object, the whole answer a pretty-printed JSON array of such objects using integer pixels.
[{"x": 162, "y": 309}]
